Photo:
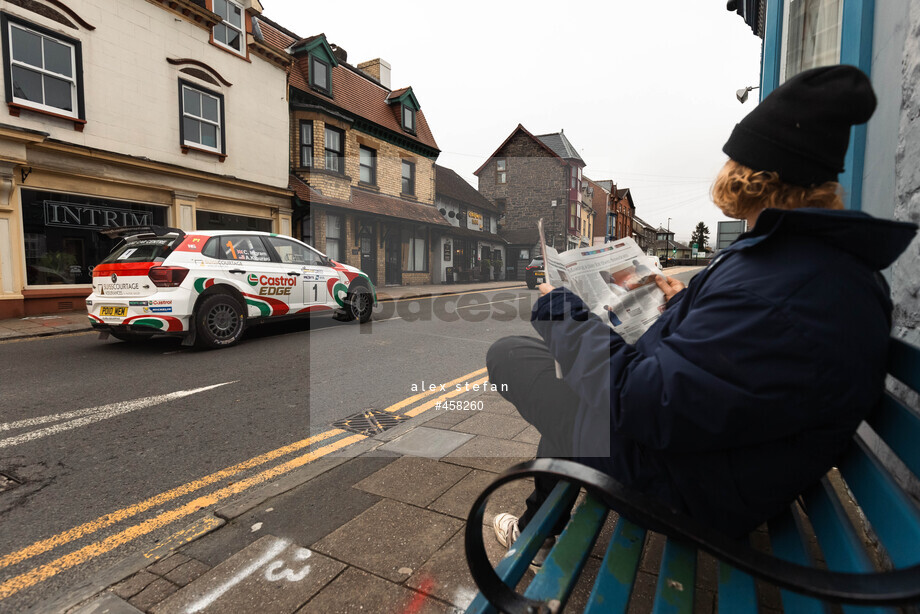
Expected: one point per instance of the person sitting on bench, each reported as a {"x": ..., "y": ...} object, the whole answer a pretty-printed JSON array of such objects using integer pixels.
[{"x": 755, "y": 377}]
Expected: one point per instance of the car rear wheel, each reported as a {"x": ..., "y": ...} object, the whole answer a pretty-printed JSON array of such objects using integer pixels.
[
  {"x": 359, "y": 304},
  {"x": 531, "y": 285},
  {"x": 130, "y": 336},
  {"x": 219, "y": 321}
]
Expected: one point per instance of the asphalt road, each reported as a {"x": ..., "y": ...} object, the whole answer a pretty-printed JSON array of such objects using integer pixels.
[{"x": 160, "y": 431}]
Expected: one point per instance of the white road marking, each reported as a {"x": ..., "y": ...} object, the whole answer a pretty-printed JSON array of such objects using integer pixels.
[
  {"x": 276, "y": 549},
  {"x": 508, "y": 300},
  {"x": 90, "y": 415}
]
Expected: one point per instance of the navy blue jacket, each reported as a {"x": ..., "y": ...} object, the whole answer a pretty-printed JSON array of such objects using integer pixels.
[{"x": 753, "y": 380}]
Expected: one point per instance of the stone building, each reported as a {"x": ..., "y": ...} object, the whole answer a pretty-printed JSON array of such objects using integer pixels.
[
  {"x": 644, "y": 234},
  {"x": 181, "y": 123},
  {"x": 362, "y": 158},
  {"x": 531, "y": 177},
  {"x": 471, "y": 249}
]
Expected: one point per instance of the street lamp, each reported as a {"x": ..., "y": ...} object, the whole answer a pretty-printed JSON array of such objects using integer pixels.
[
  {"x": 553, "y": 205},
  {"x": 742, "y": 94},
  {"x": 667, "y": 237}
]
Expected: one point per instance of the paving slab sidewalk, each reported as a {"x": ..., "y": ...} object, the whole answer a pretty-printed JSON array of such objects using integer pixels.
[{"x": 380, "y": 532}]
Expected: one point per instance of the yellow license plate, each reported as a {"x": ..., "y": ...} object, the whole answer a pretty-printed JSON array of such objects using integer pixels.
[{"x": 118, "y": 312}]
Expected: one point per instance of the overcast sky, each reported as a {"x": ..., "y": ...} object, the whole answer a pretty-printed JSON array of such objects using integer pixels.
[{"x": 644, "y": 90}]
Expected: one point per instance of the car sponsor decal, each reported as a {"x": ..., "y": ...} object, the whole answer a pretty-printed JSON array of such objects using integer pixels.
[
  {"x": 337, "y": 290},
  {"x": 168, "y": 324},
  {"x": 191, "y": 243},
  {"x": 312, "y": 308},
  {"x": 138, "y": 303},
  {"x": 266, "y": 306},
  {"x": 203, "y": 283},
  {"x": 161, "y": 309},
  {"x": 95, "y": 319},
  {"x": 253, "y": 280}
]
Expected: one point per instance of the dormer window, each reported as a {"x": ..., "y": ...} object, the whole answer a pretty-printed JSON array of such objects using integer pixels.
[
  {"x": 320, "y": 75},
  {"x": 408, "y": 118},
  {"x": 230, "y": 32}
]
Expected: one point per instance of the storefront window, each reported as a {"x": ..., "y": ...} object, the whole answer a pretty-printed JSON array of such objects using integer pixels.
[
  {"x": 210, "y": 220},
  {"x": 811, "y": 35},
  {"x": 414, "y": 250},
  {"x": 61, "y": 232}
]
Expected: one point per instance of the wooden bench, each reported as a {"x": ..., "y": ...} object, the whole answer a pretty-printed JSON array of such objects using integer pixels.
[{"x": 852, "y": 544}]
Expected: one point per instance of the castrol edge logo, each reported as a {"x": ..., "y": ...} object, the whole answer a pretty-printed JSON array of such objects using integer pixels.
[{"x": 272, "y": 286}]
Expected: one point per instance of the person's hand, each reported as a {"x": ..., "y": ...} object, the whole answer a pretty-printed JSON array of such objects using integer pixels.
[
  {"x": 669, "y": 285},
  {"x": 545, "y": 288}
]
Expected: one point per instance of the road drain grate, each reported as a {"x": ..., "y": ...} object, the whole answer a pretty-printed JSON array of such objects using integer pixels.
[
  {"x": 370, "y": 422},
  {"x": 8, "y": 482}
]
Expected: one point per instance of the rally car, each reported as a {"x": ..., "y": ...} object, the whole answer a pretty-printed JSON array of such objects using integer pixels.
[{"x": 208, "y": 286}]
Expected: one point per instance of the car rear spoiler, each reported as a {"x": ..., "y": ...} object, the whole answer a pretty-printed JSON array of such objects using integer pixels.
[{"x": 157, "y": 231}]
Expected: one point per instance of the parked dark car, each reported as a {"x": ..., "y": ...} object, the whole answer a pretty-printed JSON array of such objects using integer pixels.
[{"x": 534, "y": 273}]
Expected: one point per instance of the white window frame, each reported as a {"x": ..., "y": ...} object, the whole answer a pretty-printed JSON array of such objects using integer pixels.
[
  {"x": 241, "y": 29},
  {"x": 784, "y": 43},
  {"x": 219, "y": 124},
  {"x": 74, "y": 86}
]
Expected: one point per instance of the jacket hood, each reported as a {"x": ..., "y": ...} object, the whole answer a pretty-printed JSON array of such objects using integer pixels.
[{"x": 877, "y": 242}]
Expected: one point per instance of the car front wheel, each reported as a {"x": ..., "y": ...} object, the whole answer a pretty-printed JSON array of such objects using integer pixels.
[
  {"x": 219, "y": 321},
  {"x": 360, "y": 305}
]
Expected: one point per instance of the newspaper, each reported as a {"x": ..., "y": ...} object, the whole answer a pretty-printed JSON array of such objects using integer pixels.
[{"x": 615, "y": 280}]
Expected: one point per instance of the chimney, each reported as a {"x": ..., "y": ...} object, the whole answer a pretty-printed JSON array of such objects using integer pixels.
[
  {"x": 378, "y": 70},
  {"x": 340, "y": 54}
]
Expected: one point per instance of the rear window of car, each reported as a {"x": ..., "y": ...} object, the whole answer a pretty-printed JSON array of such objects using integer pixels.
[{"x": 142, "y": 250}]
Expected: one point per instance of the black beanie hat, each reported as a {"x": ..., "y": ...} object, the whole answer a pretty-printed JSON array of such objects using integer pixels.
[{"x": 801, "y": 130}]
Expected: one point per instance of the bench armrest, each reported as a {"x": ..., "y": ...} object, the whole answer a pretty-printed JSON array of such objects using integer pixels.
[{"x": 877, "y": 588}]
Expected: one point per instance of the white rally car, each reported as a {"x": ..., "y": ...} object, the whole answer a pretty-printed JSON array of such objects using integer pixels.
[{"x": 207, "y": 286}]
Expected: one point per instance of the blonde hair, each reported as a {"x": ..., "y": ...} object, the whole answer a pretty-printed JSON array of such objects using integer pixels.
[{"x": 740, "y": 192}]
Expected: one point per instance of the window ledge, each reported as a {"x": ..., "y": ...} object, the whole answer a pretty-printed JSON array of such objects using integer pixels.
[
  {"x": 408, "y": 196},
  {"x": 231, "y": 50},
  {"x": 220, "y": 156},
  {"x": 369, "y": 186},
  {"x": 327, "y": 94},
  {"x": 15, "y": 108},
  {"x": 322, "y": 171}
]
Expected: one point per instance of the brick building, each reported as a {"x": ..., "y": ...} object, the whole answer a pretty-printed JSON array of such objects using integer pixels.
[
  {"x": 362, "y": 162},
  {"x": 471, "y": 248},
  {"x": 131, "y": 112},
  {"x": 644, "y": 234},
  {"x": 524, "y": 177}
]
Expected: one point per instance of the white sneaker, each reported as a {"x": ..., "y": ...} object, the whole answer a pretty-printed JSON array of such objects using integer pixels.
[
  {"x": 506, "y": 532},
  {"x": 506, "y": 529}
]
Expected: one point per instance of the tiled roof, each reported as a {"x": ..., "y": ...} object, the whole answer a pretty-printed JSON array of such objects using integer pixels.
[
  {"x": 522, "y": 129},
  {"x": 397, "y": 93},
  {"x": 369, "y": 202},
  {"x": 352, "y": 91},
  {"x": 560, "y": 146},
  {"x": 448, "y": 183},
  {"x": 522, "y": 236},
  {"x": 274, "y": 35}
]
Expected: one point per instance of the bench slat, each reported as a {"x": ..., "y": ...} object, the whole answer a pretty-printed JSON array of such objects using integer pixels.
[
  {"x": 893, "y": 516},
  {"x": 842, "y": 547},
  {"x": 561, "y": 569},
  {"x": 674, "y": 592},
  {"x": 617, "y": 574},
  {"x": 787, "y": 543},
  {"x": 899, "y": 427},
  {"x": 513, "y": 567},
  {"x": 904, "y": 363},
  {"x": 737, "y": 592}
]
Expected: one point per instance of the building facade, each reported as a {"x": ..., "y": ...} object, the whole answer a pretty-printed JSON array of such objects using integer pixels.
[
  {"x": 644, "y": 235},
  {"x": 83, "y": 150},
  {"x": 471, "y": 250},
  {"x": 531, "y": 177},
  {"x": 361, "y": 162}
]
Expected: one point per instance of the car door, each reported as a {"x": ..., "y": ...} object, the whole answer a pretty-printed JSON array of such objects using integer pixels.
[
  {"x": 302, "y": 262},
  {"x": 322, "y": 278},
  {"x": 265, "y": 284}
]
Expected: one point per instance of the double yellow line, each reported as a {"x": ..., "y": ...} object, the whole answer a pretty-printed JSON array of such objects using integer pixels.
[{"x": 46, "y": 571}]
